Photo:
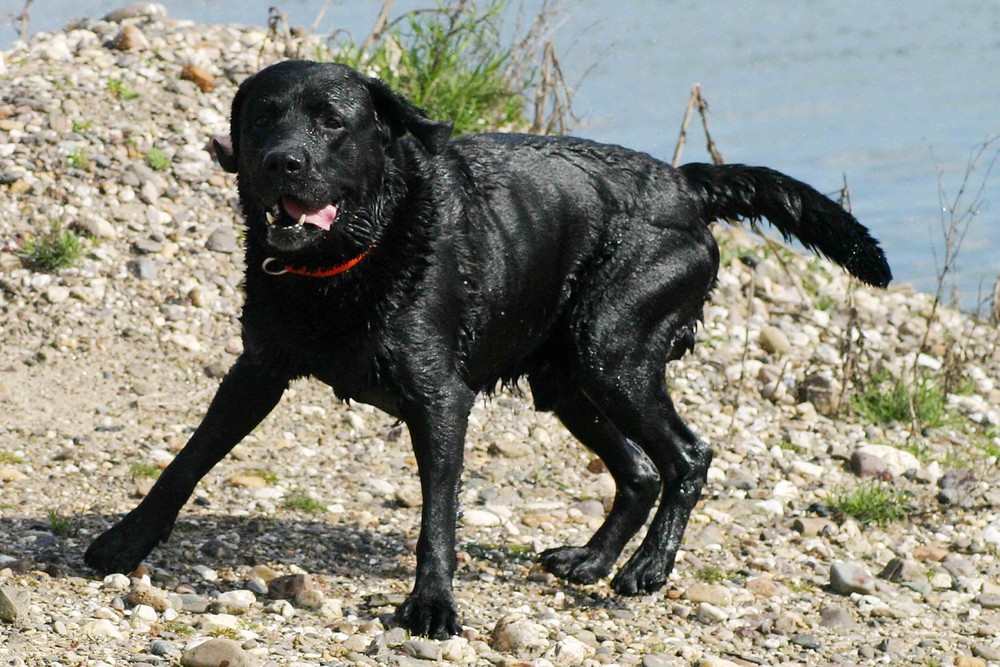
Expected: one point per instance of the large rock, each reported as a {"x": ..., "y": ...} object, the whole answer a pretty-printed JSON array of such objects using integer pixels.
[
  {"x": 515, "y": 633},
  {"x": 216, "y": 653},
  {"x": 847, "y": 577}
]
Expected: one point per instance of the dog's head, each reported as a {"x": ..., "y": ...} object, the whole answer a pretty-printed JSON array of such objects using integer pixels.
[{"x": 310, "y": 144}]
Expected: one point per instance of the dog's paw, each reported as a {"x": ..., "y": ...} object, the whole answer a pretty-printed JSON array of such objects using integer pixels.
[
  {"x": 642, "y": 574},
  {"x": 434, "y": 618},
  {"x": 122, "y": 547},
  {"x": 580, "y": 565}
]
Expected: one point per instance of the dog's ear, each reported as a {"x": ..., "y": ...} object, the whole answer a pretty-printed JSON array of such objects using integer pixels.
[
  {"x": 224, "y": 153},
  {"x": 403, "y": 116},
  {"x": 227, "y": 151}
]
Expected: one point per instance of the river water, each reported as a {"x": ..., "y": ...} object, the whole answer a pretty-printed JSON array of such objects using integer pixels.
[{"x": 894, "y": 96}]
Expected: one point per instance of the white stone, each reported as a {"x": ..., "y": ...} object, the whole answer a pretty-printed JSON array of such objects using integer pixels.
[
  {"x": 475, "y": 517},
  {"x": 116, "y": 582},
  {"x": 569, "y": 651},
  {"x": 897, "y": 460}
]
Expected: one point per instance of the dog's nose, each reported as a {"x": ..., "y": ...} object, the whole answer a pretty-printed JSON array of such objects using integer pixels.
[{"x": 284, "y": 160}]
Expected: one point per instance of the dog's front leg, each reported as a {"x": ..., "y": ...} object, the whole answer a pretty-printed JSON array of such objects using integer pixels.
[
  {"x": 247, "y": 394},
  {"x": 437, "y": 428}
]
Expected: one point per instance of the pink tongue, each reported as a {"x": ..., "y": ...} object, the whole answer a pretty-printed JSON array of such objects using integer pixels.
[{"x": 321, "y": 218}]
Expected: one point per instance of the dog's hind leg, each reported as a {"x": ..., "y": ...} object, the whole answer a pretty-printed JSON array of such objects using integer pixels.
[
  {"x": 637, "y": 481},
  {"x": 682, "y": 460},
  {"x": 630, "y": 319}
]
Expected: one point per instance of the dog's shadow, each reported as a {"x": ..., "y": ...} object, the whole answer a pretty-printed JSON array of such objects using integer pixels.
[{"x": 56, "y": 544}]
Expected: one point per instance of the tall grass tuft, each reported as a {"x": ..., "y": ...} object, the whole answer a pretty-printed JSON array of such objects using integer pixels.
[
  {"x": 55, "y": 249},
  {"x": 453, "y": 63}
]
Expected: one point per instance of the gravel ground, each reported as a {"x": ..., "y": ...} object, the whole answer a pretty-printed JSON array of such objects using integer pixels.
[{"x": 298, "y": 546}]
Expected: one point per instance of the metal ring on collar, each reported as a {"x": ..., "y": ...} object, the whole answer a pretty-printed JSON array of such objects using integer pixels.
[{"x": 271, "y": 272}]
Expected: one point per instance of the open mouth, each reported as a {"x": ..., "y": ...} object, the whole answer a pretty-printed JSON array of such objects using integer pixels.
[{"x": 289, "y": 211}]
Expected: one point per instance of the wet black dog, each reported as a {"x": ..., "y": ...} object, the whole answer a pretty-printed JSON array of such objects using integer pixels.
[{"x": 413, "y": 272}]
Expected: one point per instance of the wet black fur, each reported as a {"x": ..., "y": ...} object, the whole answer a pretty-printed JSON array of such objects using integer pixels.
[{"x": 579, "y": 266}]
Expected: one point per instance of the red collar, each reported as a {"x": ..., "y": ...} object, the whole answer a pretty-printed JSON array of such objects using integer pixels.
[{"x": 318, "y": 273}]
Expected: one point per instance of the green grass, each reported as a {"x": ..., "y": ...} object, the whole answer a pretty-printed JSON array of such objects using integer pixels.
[
  {"x": 710, "y": 574},
  {"x": 268, "y": 476},
  {"x": 452, "y": 64},
  {"x": 120, "y": 89},
  {"x": 82, "y": 125},
  {"x": 59, "y": 524},
  {"x": 157, "y": 159},
  {"x": 145, "y": 471},
  {"x": 10, "y": 458},
  {"x": 53, "y": 250},
  {"x": 304, "y": 503},
  {"x": 872, "y": 503},
  {"x": 887, "y": 399},
  {"x": 77, "y": 159}
]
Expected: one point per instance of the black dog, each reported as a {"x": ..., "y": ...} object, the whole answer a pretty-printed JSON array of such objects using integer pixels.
[{"x": 413, "y": 272}]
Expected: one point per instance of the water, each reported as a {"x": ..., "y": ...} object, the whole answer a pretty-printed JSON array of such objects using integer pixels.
[{"x": 894, "y": 96}]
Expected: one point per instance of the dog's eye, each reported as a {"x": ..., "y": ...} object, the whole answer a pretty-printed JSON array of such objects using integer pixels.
[{"x": 331, "y": 122}]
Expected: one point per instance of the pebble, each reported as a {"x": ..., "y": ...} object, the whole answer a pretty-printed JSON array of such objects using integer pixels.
[
  {"x": 13, "y": 604},
  {"x": 514, "y": 633},
  {"x": 101, "y": 627},
  {"x": 480, "y": 518},
  {"x": 142, "y": 593},
  {"x": 774, "y": 341},
  {"x": 715, "y": 594},
  {"x": 836, "y": 617},
  {"x": 234, "y": 602},
  {"x": 422, "y": 649},
  {"x": 288, "y": 586},
  {"x": 569, "y": 651},
  {"x": 143, "y": 268},
  {"x": 897, "y": 460},
  {"x": 848, "y": 577},
  {"x": 222, "y": 239},
  {"x": 215, "y": 653}
]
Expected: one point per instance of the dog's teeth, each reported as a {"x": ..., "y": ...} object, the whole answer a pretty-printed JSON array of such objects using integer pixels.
[
  {"x": 302, "y": 219},
  {"x": 270, "y": 217}
]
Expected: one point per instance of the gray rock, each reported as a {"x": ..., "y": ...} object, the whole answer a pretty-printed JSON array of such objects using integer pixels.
[
  {"x": 847, "y": 577},
  {"x": 958, "y": 567},
  {"x": 836, "y": 617},
  {"x": 422, "y": 649},
  {"x": 958, "y": 487},
  {"x": 867, "y": 465},
  {"x": 13, "y": 604},
  {"x": 217, "y": 652},
  {"x": 162, "y": 648},
  {"x": 806, "y": 641},
  {"x": 988, "y": 601},
  {"x": 143, "y": 268},
  {"x": 222, "y": 239},
  {"x": 147, "y": 246},
  {"x": 902, "y": 569},
  {"x": 988, "y": 652},
  {"x": 194, "y": 604}
]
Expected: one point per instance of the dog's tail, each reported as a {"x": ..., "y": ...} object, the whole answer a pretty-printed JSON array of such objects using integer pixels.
[{"x": 796, "y": 209}]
